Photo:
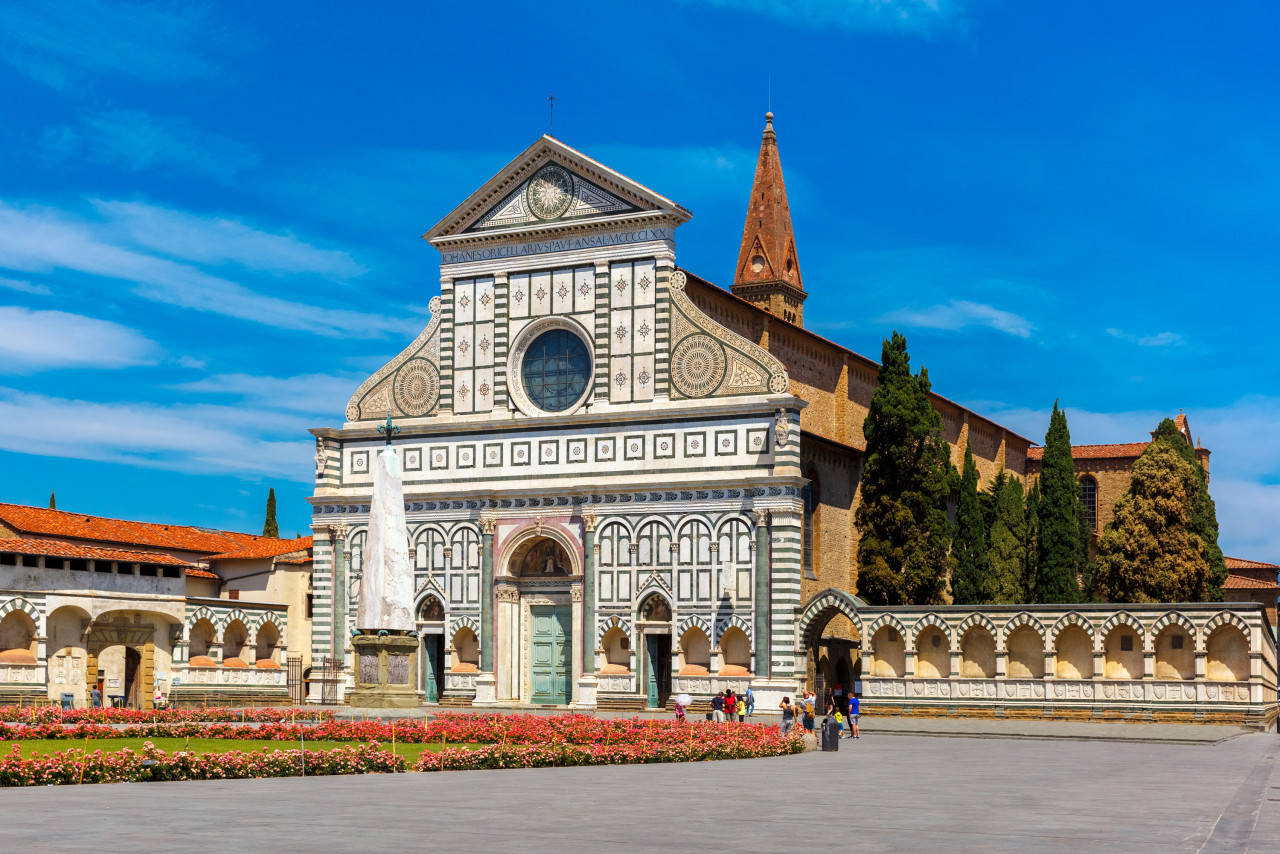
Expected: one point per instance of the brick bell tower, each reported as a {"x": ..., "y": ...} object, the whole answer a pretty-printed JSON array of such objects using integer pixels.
[{"x": 768, "y": 273}]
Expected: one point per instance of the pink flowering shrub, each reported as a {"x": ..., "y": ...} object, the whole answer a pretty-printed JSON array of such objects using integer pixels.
[
  {"x": 54, "y": 714},
  {"x": 127, "y": 766}
]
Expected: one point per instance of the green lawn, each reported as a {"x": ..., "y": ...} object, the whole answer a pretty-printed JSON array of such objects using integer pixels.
[{"x": 37, "y": 747}]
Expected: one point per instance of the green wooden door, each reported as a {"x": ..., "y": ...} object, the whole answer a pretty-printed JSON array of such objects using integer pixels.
[
  {"x": 657, "y": 669},
  {"x": 552, "y": 665},
  {"x": 432, "y": 666}
]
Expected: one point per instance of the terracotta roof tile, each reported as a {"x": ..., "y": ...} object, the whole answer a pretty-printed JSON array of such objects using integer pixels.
[
  {"x": 1094, "y": 452},
  {"x": 1241, "y": 582},
  {"x": 53, "y": 548},
  {"x": 202, "y": 573},
  {"x": 263, "y": 548},
  {"x": 60, "y": 523},
  {"x": 296, "y": 561},
  {"x": 1242, "y": 563}
]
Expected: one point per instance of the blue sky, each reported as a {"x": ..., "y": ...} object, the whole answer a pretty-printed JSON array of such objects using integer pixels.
[{"x": 209, "y": 214}]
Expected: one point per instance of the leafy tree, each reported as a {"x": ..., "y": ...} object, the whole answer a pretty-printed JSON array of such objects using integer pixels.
[
  {"x": 53, "y": 500},
  {"x": 902, "y": 553},
  {"x": 269, "y": 527},
  {"x": 1007, "y": 548},
  {"x": 1062, "y": 559},
  {"x": 1204, "y": 516},
  {"x": 1031, "y": 543},
  {"x": 970, "y": 581},
  {"x": 1150, "y": 552}
]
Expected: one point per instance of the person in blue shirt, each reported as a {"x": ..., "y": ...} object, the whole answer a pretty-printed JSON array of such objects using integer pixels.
[{"x": 854, "y": 708}]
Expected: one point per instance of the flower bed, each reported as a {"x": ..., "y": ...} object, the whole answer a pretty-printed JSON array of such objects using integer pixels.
[
  {"x": 128, "y": 766},
  {"x": 54, "y": 714}
]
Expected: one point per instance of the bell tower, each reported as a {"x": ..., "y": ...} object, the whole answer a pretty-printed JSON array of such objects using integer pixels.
[{"x": 768, "y": 272}]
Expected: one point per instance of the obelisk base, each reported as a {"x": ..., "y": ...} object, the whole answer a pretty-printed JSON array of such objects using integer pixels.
[
  {"x": 486, "y": 690},
  {"x": 384, "y": 672}
]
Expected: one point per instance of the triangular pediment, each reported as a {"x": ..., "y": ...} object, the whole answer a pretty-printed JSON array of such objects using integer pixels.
[{"x": 550, "y": 184}]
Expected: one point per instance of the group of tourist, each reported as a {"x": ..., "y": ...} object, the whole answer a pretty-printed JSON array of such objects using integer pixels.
[
  {"x": 838, "y": 707},
  {"x": 724, "y": 706}
]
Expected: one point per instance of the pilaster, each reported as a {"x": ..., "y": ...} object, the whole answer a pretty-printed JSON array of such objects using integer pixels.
[
  {"x": 760, "y": 555},
  {"x": 486, "y": 593},
  {"x": 588, "y": 591}
]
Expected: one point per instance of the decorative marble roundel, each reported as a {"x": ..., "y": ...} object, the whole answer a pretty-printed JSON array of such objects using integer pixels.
[
  {"x": 550, "y": 192},
  {"x": 417, "y": 387},
  {"x": 698, "y": 365}
]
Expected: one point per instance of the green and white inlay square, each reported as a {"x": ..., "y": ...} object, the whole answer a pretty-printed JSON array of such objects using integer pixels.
[
  {"x": 439, "y": 456},
  {"x": 493, "y": 455},
  {"x": 576, "y": 450},
  {"x": 664, "y": 446},
  {"x": 633, "y": 447},
  {"x": 521, "y": 453},
  {"x": 726, "y": 442},
  {"x": 695, "y": 444}
]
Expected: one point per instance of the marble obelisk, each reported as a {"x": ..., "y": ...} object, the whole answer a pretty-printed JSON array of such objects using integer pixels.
[{"x": 386, "y": 587}]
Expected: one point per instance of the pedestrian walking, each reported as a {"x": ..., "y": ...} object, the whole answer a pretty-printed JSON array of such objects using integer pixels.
[
  {"x": 730, "y": 705},
  {"x": 809, "y": 700},
  {"x": 854, "y": 708},
  {"x": 717, "y": 708},
  {"x": 95, "y": 698},
  {"x": 751, "y": 701},
  {"x": 679, "y": 712},
  {"x": 788, "y": 715}
]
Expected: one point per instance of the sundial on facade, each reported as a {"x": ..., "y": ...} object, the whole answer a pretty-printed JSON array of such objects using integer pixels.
[{"x": 550, "y": 192}]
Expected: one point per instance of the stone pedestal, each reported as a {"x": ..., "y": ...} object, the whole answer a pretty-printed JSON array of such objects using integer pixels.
[
  {"x": 587, "y": 685},
  {"x": 769, "y": 694},
  {"x": 486, "y": 690},
  {"x": 384, "y": 672}
]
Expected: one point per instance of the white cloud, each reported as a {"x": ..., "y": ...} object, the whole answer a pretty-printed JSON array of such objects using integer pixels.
[
  {"x": 959, "y": 314},
  {"x": 907, "y": 15},
  {"x": 137, "y": 141},
  {"x": 316, "y": 394},
  {"x": 63, "y": 44},
  {"x": 45, "y": 340},
  {"x": 43, "y": 239},
  {"x": 1244, "y": 467},
  {"x": 1161, "y": 339},
  {"x": 217, "y": 240},
  {"x": 24, "y": 287},
  {"x": 199, "y": 439}
]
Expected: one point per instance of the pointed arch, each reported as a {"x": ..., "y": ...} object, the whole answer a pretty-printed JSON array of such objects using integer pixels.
[
  {"x": 1019, "y": 620},
  {"x": 1072, "y": 618},
  {"x": 931, "y": 619},
  {"x": 723, "y": 624},
  {"x": 822, "y": 607}
]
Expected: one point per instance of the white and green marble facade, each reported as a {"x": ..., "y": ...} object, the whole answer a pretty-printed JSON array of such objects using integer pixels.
[{"x": 675, "y": 475}]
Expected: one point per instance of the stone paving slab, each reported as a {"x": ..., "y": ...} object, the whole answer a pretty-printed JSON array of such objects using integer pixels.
[{"x": 905, "y": 793}]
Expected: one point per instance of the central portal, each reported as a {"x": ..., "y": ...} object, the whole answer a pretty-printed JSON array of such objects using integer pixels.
[{"x": 552, "y": 654}]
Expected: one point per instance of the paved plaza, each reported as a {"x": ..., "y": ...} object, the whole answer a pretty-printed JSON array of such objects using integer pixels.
[{"x": 883, "y": 793}]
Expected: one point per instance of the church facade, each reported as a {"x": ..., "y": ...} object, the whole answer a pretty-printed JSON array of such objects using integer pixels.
[{"x": 622, "y": 482}]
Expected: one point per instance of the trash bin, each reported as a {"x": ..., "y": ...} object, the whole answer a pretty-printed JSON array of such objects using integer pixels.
[
  {"x": 830, "y": 734},
  {"x": 117, "y": 701},
  {"x": 68, "y": 701}
]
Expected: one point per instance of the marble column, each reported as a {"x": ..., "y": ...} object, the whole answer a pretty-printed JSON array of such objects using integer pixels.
[
  {"x": 763, "y": 646},
  {"x": 588, "y": 591},
  {"x": 486, "y": 593},
  {"x": 338, "y": 537}
]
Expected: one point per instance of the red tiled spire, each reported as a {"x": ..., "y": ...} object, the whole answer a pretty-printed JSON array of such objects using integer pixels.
[{"x": 768, "y": 273}]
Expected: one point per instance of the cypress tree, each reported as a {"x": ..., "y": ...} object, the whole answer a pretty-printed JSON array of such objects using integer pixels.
[
  {"x": 1007, "y": 548},
  {"x": 970, "y": 581},
  {"x": 902, "y": 552},
  {"x": 1150, "y": 551},
  {"x": 1204, "y": 515},
  {"x": 1061, "y": 559},
  {"x": 53, "y": 500},
  {"x": 269, "y": 527},
  {"x": 1031, "y": 543}
]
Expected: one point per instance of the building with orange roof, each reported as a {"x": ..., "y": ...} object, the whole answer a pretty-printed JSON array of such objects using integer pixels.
[{"x": 128, "y": 607}]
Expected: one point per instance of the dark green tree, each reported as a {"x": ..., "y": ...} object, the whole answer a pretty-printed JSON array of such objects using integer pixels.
[
  {"x": 1062, "y": 559},
  {"x": 970, "y": 580},
  {"x": 269, "y": 527},
  {"x": 1031, "y": 543},
  {"x": 903, "y": 551},
  {"x": 1150, "y": 551},
  {"x": 1006, "y": 545},
  {"x": 1204, "y": 516},
  {"x": 53, "y": 501}
]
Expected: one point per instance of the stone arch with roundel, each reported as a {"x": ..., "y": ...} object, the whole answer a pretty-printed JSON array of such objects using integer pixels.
[
  {"x": 973, "y": 621},
  {"x": 429, "y": 588},
  {"x": 1217, "y": 621},
  {"x": 885, "y": 620},
  {"x": 606, "y": 625},
  {"x": 27, "y": 607},
  {"x": 1019, "y": 620},
  {"x": 724, "y": 623},
  {"x": 463, "y": 621},
  {"x": 1072, "y": 618},
  {"x": 822, "y": 607},
  {"x": 1175, "y": 618},
  {"x": 1123, "y": 618},
  {"x": 237, "y": 614},
  {"x": 264, "y": 619},
  {"x": 931, "y": 619},
  {"x": 203, "y": 613},
  {"x": 692, "y": 621}
]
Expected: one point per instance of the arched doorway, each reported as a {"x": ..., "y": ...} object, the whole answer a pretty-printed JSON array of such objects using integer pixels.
[
  {"x": 831, "y": 638},
  {"x": 431, "y": 630},
  {"x": 536, "y": 617},
  {"x": 654, "y": 622}
]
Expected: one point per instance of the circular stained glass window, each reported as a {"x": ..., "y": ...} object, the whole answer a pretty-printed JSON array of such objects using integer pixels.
[{"x": 556, "y": 370}]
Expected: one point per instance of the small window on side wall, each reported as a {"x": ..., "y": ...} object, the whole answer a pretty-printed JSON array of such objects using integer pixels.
[{"x": 1126, "y": 643}]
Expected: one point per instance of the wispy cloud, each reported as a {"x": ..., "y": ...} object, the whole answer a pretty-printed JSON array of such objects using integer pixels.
[
  {"x": 137, "y": 141},
  {"x": 24, "y": 287},
  {"x": 961, "y": 314},
  {"x": 321, "y": 395},
  {"x": 63, "y": 44},
  {"x": 1160, "y": 339},
  {"x": 905, "y": 15},
  {"x": 45, "y": 340},
  {"x": 199, "y": 439},
  {"x": 218, "y": 240},
  {"x": 44, "y": 239}
]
